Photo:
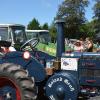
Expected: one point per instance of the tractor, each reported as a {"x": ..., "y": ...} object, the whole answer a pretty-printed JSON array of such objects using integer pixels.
[
  {"x": 32, "y": 74},
  {"x": 19, "y": 69},
  {"x": 75, "y": 75}
]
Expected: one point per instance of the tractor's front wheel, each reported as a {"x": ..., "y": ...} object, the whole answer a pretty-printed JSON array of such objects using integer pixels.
[{"x": 15, "y": 83}]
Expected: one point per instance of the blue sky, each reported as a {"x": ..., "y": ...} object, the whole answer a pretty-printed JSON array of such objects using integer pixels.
[{"x": 23, "y": 11}]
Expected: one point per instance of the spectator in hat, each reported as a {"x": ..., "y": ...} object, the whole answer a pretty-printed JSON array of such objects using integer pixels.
[{"x": 78, "y": 47}]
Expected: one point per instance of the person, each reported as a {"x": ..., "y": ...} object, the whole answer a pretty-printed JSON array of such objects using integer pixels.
[
  {"x": 78, "y": 47},
  {"x": 7, "y": 49},
  {"x": 11, "y": 48},
  {"x": 97, "y": 46},
  {"x": 89, "y": 44}
]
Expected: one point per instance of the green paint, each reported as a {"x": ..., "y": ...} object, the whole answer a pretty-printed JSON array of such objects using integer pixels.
[{"x": 50, "y": 48}]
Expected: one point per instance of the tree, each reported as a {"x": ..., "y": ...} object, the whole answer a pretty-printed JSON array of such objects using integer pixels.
[
  {"x": 33, "y": 25},
  {"x": 73, "y": 12},
  {"x": 53, "y": 32},
  {"x": 45, "y": 26},
  {"x": 97, "y": 16},
  {"x": 88, "y": 28}
]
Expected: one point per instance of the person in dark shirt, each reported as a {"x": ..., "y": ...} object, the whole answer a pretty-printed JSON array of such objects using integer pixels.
[{"x": 89, "y": 44}]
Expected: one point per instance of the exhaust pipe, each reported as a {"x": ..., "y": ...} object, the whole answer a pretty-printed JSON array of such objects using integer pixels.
[{"x": 60, "y": 38}]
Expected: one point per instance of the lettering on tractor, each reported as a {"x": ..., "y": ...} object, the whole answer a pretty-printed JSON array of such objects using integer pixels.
[
  {"x": 54, "y": 81},
  {"x": 51, "y": 97},
  {"x": 69, "y": 85}
]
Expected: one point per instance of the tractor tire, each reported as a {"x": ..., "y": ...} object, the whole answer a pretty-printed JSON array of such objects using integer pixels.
[{"x": 15, "y": 76}]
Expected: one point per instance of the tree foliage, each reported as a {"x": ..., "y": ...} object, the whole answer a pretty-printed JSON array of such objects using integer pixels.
[
  {"x": 45, "y": 26},
  {"x": 53, "y": 32},
  {"x": 97, "y": 16},
  {"x": 90, "y": 29},
  {"x": 33, "y": 25},
  {"x": 73, "y": 12}
]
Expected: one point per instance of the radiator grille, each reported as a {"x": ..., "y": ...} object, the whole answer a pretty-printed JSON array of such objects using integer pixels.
[{"x": 89, "y": 73}]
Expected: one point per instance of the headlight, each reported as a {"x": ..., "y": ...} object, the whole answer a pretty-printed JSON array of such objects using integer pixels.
[{"x": 26, "y": 55}]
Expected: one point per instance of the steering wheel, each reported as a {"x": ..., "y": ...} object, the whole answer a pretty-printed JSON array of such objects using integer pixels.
[{"x": 31, "y": 42}]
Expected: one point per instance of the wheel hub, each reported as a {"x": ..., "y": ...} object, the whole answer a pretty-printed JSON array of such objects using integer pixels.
[{"x": 9, "y": 89}]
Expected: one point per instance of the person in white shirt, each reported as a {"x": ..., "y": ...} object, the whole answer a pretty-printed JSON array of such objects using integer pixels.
[
  {"x": 12, "y": 49},
  {"x": 7, "y": 49}
]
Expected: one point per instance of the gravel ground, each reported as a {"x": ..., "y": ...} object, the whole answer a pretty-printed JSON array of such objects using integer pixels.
[{"x": 95, "y": 98}]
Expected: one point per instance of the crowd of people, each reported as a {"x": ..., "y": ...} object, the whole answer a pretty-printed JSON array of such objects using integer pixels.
[{"x": 83, "y": 45}]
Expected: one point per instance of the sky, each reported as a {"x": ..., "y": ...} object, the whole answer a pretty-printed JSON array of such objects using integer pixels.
[{"x": 23, "y": 11}]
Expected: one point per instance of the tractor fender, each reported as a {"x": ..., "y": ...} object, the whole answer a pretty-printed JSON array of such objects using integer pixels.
[
  {"x": 62, "y": 86},
  {"x": 32, "y": 65}
]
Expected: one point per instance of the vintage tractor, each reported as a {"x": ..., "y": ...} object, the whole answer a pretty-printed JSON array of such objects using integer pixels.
[
  {"x": 66, "y": 76},
  {"x": 75, "y": 75}
]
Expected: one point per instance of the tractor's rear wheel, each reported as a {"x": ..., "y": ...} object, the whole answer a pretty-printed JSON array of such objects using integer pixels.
[{"x": 16, "y": 82}]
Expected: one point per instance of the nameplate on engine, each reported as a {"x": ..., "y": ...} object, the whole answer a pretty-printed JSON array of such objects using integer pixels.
[{"x": 69, "y": 64}]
